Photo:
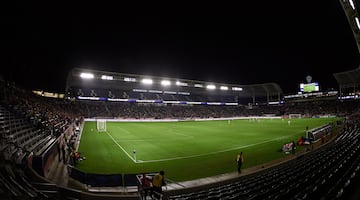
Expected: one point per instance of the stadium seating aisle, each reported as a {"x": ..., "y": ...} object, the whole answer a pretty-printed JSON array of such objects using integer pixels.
[{"x": 58, "y": 173}]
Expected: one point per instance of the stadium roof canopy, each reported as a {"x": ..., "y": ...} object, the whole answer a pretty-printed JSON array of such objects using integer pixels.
[
  {"x": 79, "y": 78},
  {"x": 348, "y": 79},
  {"x": 352, "y": 9}
]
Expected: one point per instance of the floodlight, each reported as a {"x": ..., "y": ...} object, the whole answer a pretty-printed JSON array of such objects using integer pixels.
[
  {"x": 165, "y": 82},
  {"x": 357, "y": 22},
  {"x": 181, "y": 83},
  {"x": 352, "y": 4},
  {"x": 87, "y": 75},
  {"x": 211, "y": 87},
  {"x": 237, "y": 88},
  {"x": 198, "y": 85},
  {"x": 147, "y": 81},
  {"x": 224, "y": 87},
  {"x": 106, "y": 77},
  {"x": 184, "y": 93}
]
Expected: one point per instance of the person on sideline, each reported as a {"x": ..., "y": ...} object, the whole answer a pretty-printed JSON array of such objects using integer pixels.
[
  {"x": 240, "y": 161},
  {"x": 293, "y": 147},
  {"x": 158, "y": 181},
  {"x": 145, "y": 185}
]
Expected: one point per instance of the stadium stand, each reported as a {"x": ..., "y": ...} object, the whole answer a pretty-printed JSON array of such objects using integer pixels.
[
  {"x": 28, "y": 132},
  {"x": 130, "y": 87},
  {"x": 32, "y": 127}
]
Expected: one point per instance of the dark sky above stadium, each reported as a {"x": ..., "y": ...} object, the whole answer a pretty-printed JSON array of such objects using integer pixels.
[{"x": 244, "y": 43}]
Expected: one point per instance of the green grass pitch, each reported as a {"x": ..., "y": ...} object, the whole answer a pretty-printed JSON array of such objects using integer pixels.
[{"x": 187, "y": 150}]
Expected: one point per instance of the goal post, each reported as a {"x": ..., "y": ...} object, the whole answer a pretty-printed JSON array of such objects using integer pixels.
[
  {"x": 295, "y": 116},
  {"x": 101, "y": 125}
]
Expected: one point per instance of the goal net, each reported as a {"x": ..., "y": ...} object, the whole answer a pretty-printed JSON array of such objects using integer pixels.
[
  {"x": 291, "y": 116},
  {"x": 101, "y": 125}
]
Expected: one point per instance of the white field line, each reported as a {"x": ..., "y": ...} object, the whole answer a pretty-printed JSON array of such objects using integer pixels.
[
  {"x": 192, "y": 156},
  {"x": 120, "y": 147},
  {"x": 211, "y": 153}
]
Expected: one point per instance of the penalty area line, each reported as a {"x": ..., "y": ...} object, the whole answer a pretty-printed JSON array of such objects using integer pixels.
[{"x": 128, "y": 155}]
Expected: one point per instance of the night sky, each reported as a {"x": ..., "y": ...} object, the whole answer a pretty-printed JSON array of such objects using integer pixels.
[{"x": 244, "y": 43}]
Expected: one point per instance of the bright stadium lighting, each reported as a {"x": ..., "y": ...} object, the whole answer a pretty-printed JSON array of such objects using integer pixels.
[
  {"x": 184, "y": 93},
  {"x": 106, "y": 77},
  {"x": 165, "y": 83},
  {"x": 87, "y": 75},
  {"x": 211, "y": 87},
  {"x": 198, "y": 85},
  {"x": 147, "y": 81},
  {"x": 224, "y": 88},
  {"x": 352, "y": 4},
  {"x": 236, "y": 88},
  {"x": 181, "y": 83},
  {"x": 357, "y": 22},
  {"x": 127, "y": 79},
  {"x": 169, "y": 92}
]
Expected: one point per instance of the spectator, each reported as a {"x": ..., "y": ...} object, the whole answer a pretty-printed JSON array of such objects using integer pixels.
[
  {"x": 157, "y": 182},
  {"x": 62, "y": 146},
  {"x": 293, "y": 148},
  {"x": 59, "y": 150},
  {"x": 146, "y": 186},
  {"x": 240, "y": 161}
]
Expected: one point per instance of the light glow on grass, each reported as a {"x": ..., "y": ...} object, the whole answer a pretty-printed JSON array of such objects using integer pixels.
[{"x": 187, "y": 150}]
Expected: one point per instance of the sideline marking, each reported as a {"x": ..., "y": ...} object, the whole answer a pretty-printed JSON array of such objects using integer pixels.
[
  {"x": 193, "y": 156},
  {"x": 120, "y": 147}
]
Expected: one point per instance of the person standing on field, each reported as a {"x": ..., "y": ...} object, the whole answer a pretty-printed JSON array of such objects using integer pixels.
[{"x": 240, "y": 161}]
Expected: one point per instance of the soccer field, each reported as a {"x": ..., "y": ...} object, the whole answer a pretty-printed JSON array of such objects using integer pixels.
[{"x": 187, "y": 150}]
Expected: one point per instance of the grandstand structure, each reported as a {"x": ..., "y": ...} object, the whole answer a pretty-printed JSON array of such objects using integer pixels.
[
  {"x": 351, "y": 9},
  {"x": 32, "y": 127},
  {"x": 306, "y": 175},
  {"x": 113, "y": 86},
  {"x": 349, "y": 83}
]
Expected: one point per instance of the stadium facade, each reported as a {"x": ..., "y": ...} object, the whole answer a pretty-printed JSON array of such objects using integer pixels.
[{"x": 113, "y": 86}]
